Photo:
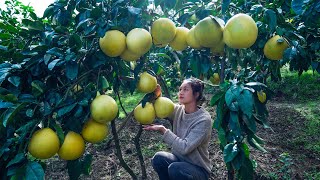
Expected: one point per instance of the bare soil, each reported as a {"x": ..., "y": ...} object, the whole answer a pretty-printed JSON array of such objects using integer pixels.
[{"x": 286, "y": 124}]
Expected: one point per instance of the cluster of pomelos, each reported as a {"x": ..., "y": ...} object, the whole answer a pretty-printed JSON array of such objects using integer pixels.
[
  {"x": 161, "y": 107},
  {"x": 240, "y": 31},
  {"x": 45, "y": 143}
]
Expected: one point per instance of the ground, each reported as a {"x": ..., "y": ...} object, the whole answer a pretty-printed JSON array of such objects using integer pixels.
[{"x": 287, "y": 156}]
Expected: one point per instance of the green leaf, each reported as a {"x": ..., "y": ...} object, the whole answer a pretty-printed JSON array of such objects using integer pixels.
[
  {"x": 78, "y": 167},
  {"x": 34, "y": 171},
  {"x": 9, "y": 97},
  {"x": 234, "y": 123},
  {"x": 17, "y": 159},
  {"x": 222, "y": 137},
  {"x": 4, "y": 36},
  {"x": 195, "y": 66},
  {"x": 10, "y": 114},
  {"x": 15, "y": 80},
  {"x": 71, "y": 70},
  {"x": 216, "y": 97},
  {"x": 298, "y": 6},
  {"x": 250, "y": 122},
  {"x": 5, "y": 105},
  {"x": 255, "y": 144},
  {"x": 59, "y": 132},
  {"x": 271, "y": 19},
  {"x": 53, "y": 63},
  {"x": 246, "y": 102},
  {"x": 246, "y": 171},
  {"x": 220, "y": 114},
  {"x": 64, "y": 110},
  {"x": 8, "y": 27},
  {"x": 230, "y": 152},
  {"x": 37, "y": 87},
  {"x": 231, "y": 97},
  {"x": 56, "y": 52},
  {"x": 75, "y": 41},
  {"x": 225, "y": 6}
]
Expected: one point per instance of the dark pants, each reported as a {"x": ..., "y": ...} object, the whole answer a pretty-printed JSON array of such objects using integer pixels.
[{"x": 169, "y": 167}]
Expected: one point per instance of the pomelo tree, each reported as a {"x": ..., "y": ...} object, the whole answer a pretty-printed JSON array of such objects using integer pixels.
[{"x": 53, "y": 66}]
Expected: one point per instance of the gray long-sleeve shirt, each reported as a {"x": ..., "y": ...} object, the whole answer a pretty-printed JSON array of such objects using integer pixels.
[{"x": 190, "y": 137}]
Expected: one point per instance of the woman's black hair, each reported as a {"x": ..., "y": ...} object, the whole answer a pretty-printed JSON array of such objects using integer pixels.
[{"x": 197, "y": 87}]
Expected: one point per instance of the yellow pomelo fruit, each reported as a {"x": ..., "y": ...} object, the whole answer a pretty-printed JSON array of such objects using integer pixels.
[
  {"x": 192, "y": 41},
  {"x": 103, "y": 109},
  {"x": 144, "y": 115},
  {"x": 129, "y": 56},
  {"x": 240, "y": 31},
  {"x": 164, "y": 107},
  {"x": 147, "y": 83},
  {"x": 113, "y": 43},
  {"x": 44, "y": 144},
  {"x": 215, "y": 78},
  {"x": 163, "y": 31},
  {"x": 159, "y": 44},
  {"x": 94, "y": 132},
  {"x": 262, "y": 96},
  {"x": 208, "y": 31},
  {"x": 275, "y": 47},
  {"x": 218, "y": 49},
  {"x": 179, "y": 42},
  {"x": 139, "y": 41},
  {"x": 73, "y": 146}
]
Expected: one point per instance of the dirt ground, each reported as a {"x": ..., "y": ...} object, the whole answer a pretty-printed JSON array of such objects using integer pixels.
[{"x": 286, "y": 124}]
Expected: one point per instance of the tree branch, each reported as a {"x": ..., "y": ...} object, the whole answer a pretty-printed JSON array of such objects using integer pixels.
[
  {"x": 119, "y": 153},
  {"x": 140, "y": 156}
]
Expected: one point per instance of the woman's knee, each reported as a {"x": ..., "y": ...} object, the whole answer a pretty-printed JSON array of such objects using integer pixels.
[
  {"x": 160, "y": 159},
  {"x": 177, "y": 171}
]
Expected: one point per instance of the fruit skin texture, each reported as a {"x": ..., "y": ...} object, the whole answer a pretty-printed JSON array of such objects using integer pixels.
[
  {"x": 139, "y": 41},
  {"x": 164, "y": 107},
  {"x": 215, "y": 78},
  {"x": 147, "y": 83},
  {"x": 163, "y": 31},
  {"x": 73, "y": 146},
  {"x": 144, "y": 115},
  {"x": 262, "y": 96},
  {"x": 240, "y": 31},
  {"x": 274, "y": 50},
  {"x": 179, "y": 43},
  {"x": 103, "y": 109},
  {"x": 94, "y": 132},
  {"x": 44, "y": 144},
  {"x": 129, "y": 56},
  {"x": 208, "y": 32},
  {"x": 192, "y": 41},
  {"x": 113, "y": 43}
]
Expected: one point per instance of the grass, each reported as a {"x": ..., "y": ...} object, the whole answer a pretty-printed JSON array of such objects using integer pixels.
[
  {"x": 129, "y": 102},
  {"x": 303, "y": 92},
  {"x": 298, "y": 88}
]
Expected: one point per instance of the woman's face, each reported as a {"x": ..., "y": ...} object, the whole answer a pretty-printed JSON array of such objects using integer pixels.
[{"x": 185, "y": 94}]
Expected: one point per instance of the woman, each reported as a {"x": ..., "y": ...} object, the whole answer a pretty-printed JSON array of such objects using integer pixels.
[{"x": 189, "y": 139}]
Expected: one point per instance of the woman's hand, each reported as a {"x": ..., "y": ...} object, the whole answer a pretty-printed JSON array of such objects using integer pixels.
[{"x": 155, "y": 127}]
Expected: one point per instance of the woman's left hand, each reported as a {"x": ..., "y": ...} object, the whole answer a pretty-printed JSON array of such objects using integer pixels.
[{"x": 155, "y": 127}]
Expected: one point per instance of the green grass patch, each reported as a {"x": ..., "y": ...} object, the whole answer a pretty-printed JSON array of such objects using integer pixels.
[
  {"x": 129, "y": 102},
  {"x": 310, "y": 136},
  {"x": 300, "y": 88}
]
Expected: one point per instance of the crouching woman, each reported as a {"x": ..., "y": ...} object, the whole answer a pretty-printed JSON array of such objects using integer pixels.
[{"x": 189, "y": 138}]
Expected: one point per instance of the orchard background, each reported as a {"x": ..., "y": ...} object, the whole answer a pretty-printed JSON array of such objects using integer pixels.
[{"x": 52, "y": 68}]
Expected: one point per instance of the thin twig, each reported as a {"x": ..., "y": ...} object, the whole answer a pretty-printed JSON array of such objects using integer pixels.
[{"x": 117, "y": 92}]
